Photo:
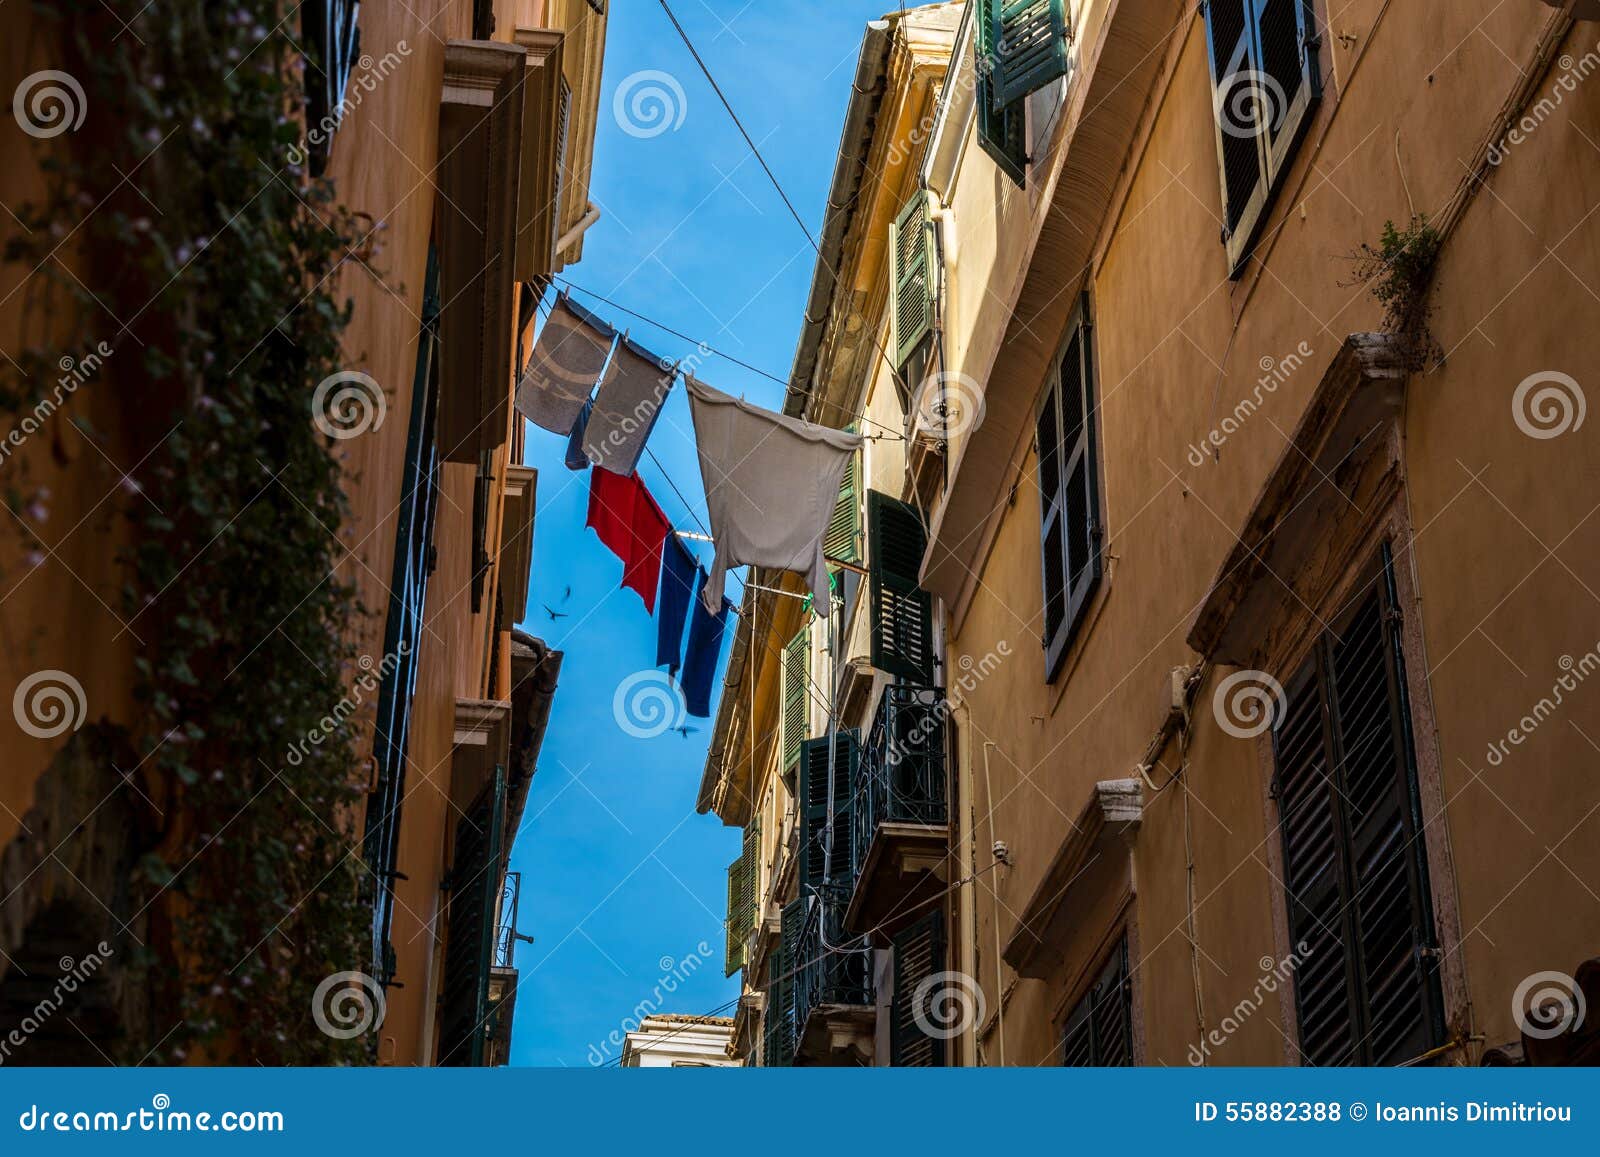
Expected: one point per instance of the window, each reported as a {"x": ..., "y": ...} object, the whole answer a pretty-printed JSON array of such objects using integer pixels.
[
  {"x": 1002, "y": 130},
  {"x": 477, "y": 874},
  {"x": 1099, "y": 1029},
  {"x": 825, "y": 848},
  {"x": 1022, "y": 48},
  {"x": 902, "y": 612},
  {"x": 1367, "y": 987},
  {"x": 911, "y": 268},
  {"x": 918, "y": 958},
  {"x": 1264, "y": 85},
  {"x": 1070, "y": 534},
  {"x": 744, "y": 883},
  {"x": 332, "y": 44},
  {"x": 794, "y": 721},
  {"x": 843, "y": 540},
  {"x": 408, "y": 589}
]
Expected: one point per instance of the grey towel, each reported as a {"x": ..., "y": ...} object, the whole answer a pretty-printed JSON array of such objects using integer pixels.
[
  {"x": 625, "y": 410},
  {"x": 566, "y": 363},
  {"x": 771, "y": 485}
]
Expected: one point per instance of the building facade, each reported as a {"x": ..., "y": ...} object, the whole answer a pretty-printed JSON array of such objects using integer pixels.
[
  {"x": 1215, "y": 691},
  {"x": 274, "y": 724},
  {"x": 674, "y": 1041}
]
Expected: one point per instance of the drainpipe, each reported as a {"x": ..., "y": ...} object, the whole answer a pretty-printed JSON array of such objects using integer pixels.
[{"x": 578, "y": 230}]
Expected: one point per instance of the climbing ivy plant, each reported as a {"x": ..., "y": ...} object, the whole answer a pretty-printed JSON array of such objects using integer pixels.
[{"x": 222, "y": 262}]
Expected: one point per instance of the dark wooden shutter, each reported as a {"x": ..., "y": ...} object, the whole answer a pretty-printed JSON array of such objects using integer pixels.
[
  {"x": 843, "y": 540},
  {"x": 1367, "y": 990},
  {"x": 1264, "y": 85},
  {"x": 778, "y": 1026},
  {"x": 911, "y": 270},
  {"x": 1002, "y": 129},
  {"x": 1099, "y": 1029},
  {"x": 476, "y": 877},
  {"x": 918, "y": 954},
  {"x": 796, "y": 680},
  {"x": 1070, "y": 534},
  {"x": 1028, "y": 42},
  {"x": 817, "y": 863},
  {"x": 408, "y": 592},
  {"x": 332, "y": 45},
  {"x": 902, "y": 612}
]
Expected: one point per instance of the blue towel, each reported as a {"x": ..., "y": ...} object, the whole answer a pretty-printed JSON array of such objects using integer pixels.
[
  {"x": 705, "y": 649},
  {"x": 678, "y": 569},
  {"x": 576, "y": 459}
]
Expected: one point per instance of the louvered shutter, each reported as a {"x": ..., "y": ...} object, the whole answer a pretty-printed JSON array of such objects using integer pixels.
[
  {"x": 1070, "y": 534},
  {"x": 476, "y": 877},
  {"x": 1028, "y": 41},
  {"x": 796, "y": 695},
  {"x": 773, "y": 1055},
  {"x": 911, "y": 271},
  {"x": 779, "y": 1026},
  {"x": 843, "y": 540},
  {"x": 902, "y": 612},
  {"x": 918, "y": 955},
  {"x": 1099, "y": 1029},
  {"x": 1264, "y": 85},
  {"x": 819, "y": 864},
  {"x": 1367, "y": 990},
  {"x": 743, "y": 882},
  {"x": 1002, "y": 130}
]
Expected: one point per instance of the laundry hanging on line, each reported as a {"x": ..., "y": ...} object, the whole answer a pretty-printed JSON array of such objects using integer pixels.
[
  {"x": 771, "y": 483},
  {"x": 575, "y": 458},
  {"x": 679, "y": 571},
  {"x": 567, "y": 360},
  {"x": 630, "y": 522},
  {"x": 626, "y": 407},
  {"x": 705, "y": 649}
]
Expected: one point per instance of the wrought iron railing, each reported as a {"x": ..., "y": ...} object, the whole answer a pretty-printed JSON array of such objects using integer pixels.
[
  {"x": 831, "y": 966},
  {"x": 506, "y": 935},
  {"x": 903, "y": 769}
]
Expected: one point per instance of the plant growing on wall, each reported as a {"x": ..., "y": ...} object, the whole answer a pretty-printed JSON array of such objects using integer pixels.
[
  {"x": 1398, "y": 272},
  {"x": 221, "y": 262}
]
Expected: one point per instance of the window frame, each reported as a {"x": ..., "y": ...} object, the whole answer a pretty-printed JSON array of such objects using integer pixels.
[
  {"x": 1082, "y": 1010},
  {"x": 1076, "y": 597}
]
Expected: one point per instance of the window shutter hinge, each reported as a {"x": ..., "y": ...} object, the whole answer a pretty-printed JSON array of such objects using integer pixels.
[{"x": 1393, "y": 615}]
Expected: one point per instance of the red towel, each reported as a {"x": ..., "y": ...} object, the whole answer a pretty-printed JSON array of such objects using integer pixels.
[{"x": 629, "y": 521}]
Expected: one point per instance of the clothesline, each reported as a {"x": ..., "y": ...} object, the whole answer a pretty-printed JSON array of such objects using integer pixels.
[{"x": 892, "y": 434}]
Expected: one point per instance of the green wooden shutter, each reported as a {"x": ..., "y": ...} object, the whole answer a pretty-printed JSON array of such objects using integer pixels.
[
  {"x": 779, "y": 1036},
  {"x": 1264, "y": 86},
  {"x": 1099, "y": 1029},
  {"x": 744, "y": 882},
  {"x": 911, "y": 268},
  {"x": 918, "y": 955},
  {"x": 1356, "y": 877},
  {"x": 796, "y": 679},
  {"x": 1002, "y": 129},
  {"x": 1071, "y": 537},
  {"x": 1028, "y": 46},
  {"x": 843, "y": 540},
  {"x": 816, "y": 862},
  {"x": 476, "y": 877},
  {"x": 902, "y": 612}
]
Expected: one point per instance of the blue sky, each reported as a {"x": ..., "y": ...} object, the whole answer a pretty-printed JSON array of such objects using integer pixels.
[{"x": 622, "y": 882}]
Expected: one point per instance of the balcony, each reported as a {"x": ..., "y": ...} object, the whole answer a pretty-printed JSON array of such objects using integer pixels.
[
  {"x": 901, "y": 814},
  {"x": 832, "y": 977}
]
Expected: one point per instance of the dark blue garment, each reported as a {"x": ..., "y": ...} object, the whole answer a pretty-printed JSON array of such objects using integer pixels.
[
  {"x": 705, "y": 649},
  {"x": 678, "y": 569},
  {"x": 576, "y": 459}
]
